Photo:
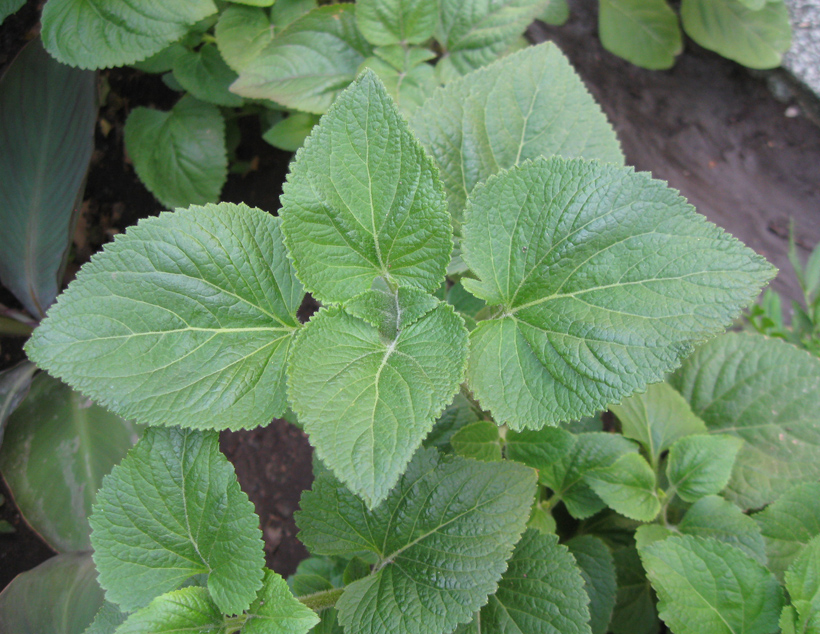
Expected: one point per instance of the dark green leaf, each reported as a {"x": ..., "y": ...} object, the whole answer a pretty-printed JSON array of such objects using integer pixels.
[
  {"x": 478, "y": 440},
  {"x": 635, "y": 611},
  {"x": 598, "y": 569},
  {"x": 14, "y": 385},
  {"x": 644, "y": 32}
]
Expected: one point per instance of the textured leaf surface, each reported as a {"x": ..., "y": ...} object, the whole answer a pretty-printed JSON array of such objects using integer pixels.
[
  {"x": 101, "y": 34},
  {"x": 58, "y": 447},
  {"x": 410, "y": 88},
  {"x": 754, "y": 38},
  {"x": 458, "y": 414},
  {"x": 397, "y": 21},
  {"x": 277, "y": 611},
  {"x": 363, "y": 201},
  {"x": 644, "y": 32},
  {"x": 526, "y": 105},
  {"x": 180, "y": 154},
  {"x": 186, "y": 319},
  {"x": 714, "y": 517},
  {"x": 628, "y": 486},
  {"x": 789, "y": 524},
  {"x": 205, "y": 75},
  {"x": 604, "y": 280},
  {"x": 657, "y": 418},
  {"x": 768, "y": 393},
  {"x": 598, "y": 570},
  {"x": 443, "y": 537},
  {"x": 185, "y": 610},
  {"x": 705, "y": 585},
  {"x": 47, "y": 114},
  {"x": 479, "y": 440},
  {"x": 701, "y": 465},
  {"x": 172, "y": 510},
  {"x": 366, "y": 401},
  {"x": 803, "y": 584},
  {"x": 108, "y": 618},
  {"x": 241, "y": 34},
  {"x": 308, "y": 63}
]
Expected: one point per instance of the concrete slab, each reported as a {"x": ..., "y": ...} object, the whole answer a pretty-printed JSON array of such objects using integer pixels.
[{"x": 803, "y": 59}]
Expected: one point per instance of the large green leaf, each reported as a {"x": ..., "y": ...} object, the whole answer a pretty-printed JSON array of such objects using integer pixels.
[
  {"x": 714, "y": 517},
  {"x": 598, "y": 569},
  {"x": 100, "y": 33},
  {"x": 644, "y": 32},
  {"x": 308, "y": 63},
  {"x": 60, "y": 595},
  {"x": 47, "y": 115},
  {"x": 767, "y": 392},
  {"x": 603, "y": 280},
  {"x": 171, "y": 510},
  {"x": 58, "y": 447},
  {"x": 756, "y": 38},
  {"x": 14, "y": 385},
  {"x": 186, "y": 320},
  {"x": 442, "y": 538},
  {"x": 205, "y": 75},
  {"x": 241, "y": 34},
  {"x": 701, "y": 465},
  {"x": 475, "y": 32},
  {"x": 363, "y": 197},
  {"x": 368, "y": 401},
  {"x": 526, "y": 105},
  {"x": 704, "y": 585},
  {"x": 180, "y": 155},
  {"x": 397, "y": 21}
]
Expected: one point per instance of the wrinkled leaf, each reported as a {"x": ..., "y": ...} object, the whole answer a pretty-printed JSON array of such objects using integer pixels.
[
  {"x": 714, "y": 517},
  {"x": 701, "y": 465},
  {"x": 385, "y": 22}
]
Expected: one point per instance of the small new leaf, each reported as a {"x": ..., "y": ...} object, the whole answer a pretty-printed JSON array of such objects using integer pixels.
[
  {"x": 628, "y": 486},
  {"x": 701, "y": 465},
  {"x": 277, "y": 611},
  {"x": 186, "y": 610}
]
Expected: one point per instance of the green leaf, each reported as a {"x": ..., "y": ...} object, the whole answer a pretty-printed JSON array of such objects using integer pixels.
[
  {"x": 442, "y": 537},
  {"x": 635, "y": 611},
  {"x": 290, "y": 134},
  {"x": 367, "y": 401},
  {"x": 163, "y": 61},
  {"x": 363, "y": 195},
  {"x": 644, "y": 32},
  {"x": 255, "y": 3},
  {"x": 108, "y": 619},
  {"x": 803, "y": 584},
  {"x": 529, "y": 104},
  {"x": 701, "y": 465},
  {"x": 60, "y": 595},
  {"x": 788, "y": 621},
  {"x": 657, "y": 418},
  {"x": 598, "y": 570},
  {"x": 651, "y": 533},
  {"x": 172, "y": 509},
  {"x": 14, "y": 386},
  {"x": 768, "y": 393},
  {"x": 309, "y": 63},
  {"x": 101, "y": 34},
  {"x": 704, "y": 585},
  {"x": 628, "y": 486},
  {"x": 206, "y": 76},
  {"x": 277, "y": 611},
  {"x": 540, "y": 449},
  {"x": 408, "y": 88},
  {"x": 613, "y": 289},
  {"x": 283, "y": 12},
  {"x": 185, "y": 610},
  {"x": 385, "y": 22},
  {"x": 754, "y": 38},
  {"x": 186, "y": 320},
  {"x": 47, "y": 115},
  {"x": 479, "y": 440},
  {"x": 555, "y": 12},
  {"x": 467, "y": 305},
  {"x": 789, "y": 524},
  {"x": 7, "y": 7},
  {"x": 317, "y": 574},
  {"x": 473, "y": 33},
  {"x": 180, "y": 155},
  {"x": 714, "y": 517},
  {"x": 460, "y": 413},
  {"x": 58, "y": 447},
  {"x": 241, "y": 34}
]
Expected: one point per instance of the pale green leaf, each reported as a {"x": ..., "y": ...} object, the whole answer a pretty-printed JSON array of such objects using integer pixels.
[
  {"x": 283, "y": 12},
  {"x": 714, "y": 517},
  {"x": 57, "y": 449},
  {"x": 555, "y": 12},
  {"x": 290, "y": 134},
  {"x": 754, "y": 38},
  {"x": 701, "y": 465},
  {"x": 410, "y": 88},
  {"x": 241, "y": 34},
  {"x": 186, "y": 320},
  {"x": 526, "y": 105},
  {"x": 460, "y": 413},
  {"x": 385, "y": 22},
  {"x": 391, "y": 311},
  {"x": 598, "y": 569},
  {"x": 479, "y": 440},
  {"x": 7, "y": 7},
  {"x": 803, "y": 584},
  {"x": 205, "y": 75},
  {"x": 442, "y": 537},
  {"x": 634, "y": 611},
  {"x": 14, "y": 385},
  {"x": 541, "y": 518},
  {"x": 768, "y": 393},
  {"x": 186, "y": 610},
  {"x": 628, "y": 486},
  {"x": 47, "y": 114},
  {"x": 788, "y": 621},
  {"x": 540, "y": 449},
  {"x": 704, "y": 585},
  {"x": 657, "y": 418},
  {"x": 180, "y": 155},
  {"x": 367, "y": 401},
  {"x": 309, "y": 63},
  {"x": 644, "y": 32},
  {"x": 364, "y": 201},
  {"x": 651, "y": 533},
  {"x": 277, "y": 611},
  {"x": 473, "y": 33},
  {"x": 789, "y": 524},
  {"x": 255, "y": 3},
  {"x": 404, "y": 58},
  {"x": 59, "y": 596},
  {"x": 615, "y": 286},
  {"x": 101, "y": 34},
  {"x": 171, "y": 510}
]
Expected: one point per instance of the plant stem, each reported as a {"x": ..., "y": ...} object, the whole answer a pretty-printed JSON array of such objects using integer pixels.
[
  {"x": 319, "y": 601},
  {"x": 233, "y": 624}
]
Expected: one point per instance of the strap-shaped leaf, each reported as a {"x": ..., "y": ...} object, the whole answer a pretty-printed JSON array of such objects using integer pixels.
[
  {"x": 363, "y": 201},
  {"x": 397, "y": 21},
  {"x": 716, "y": 518},
  {"x": 368, "y": 401},
  {"x": 172, "y": 509},
  {"x": 526, "y": 105},
  {"x": 187, "y": 319},
  {"x": 603, "y": 279},
  {"x": 767, "y": 392},
  {"x": 100, "y": 34},
  {"x": 701, "y": 465},
  {"x": 442, "y": 537},
  {"x": 644, "y": 32},
  {"x": 598, "y": 569},
  {"x": 309, "y": 63}
]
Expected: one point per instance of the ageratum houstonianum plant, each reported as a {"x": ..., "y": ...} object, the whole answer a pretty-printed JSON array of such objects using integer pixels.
[{"x": 488, "y": 272}]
